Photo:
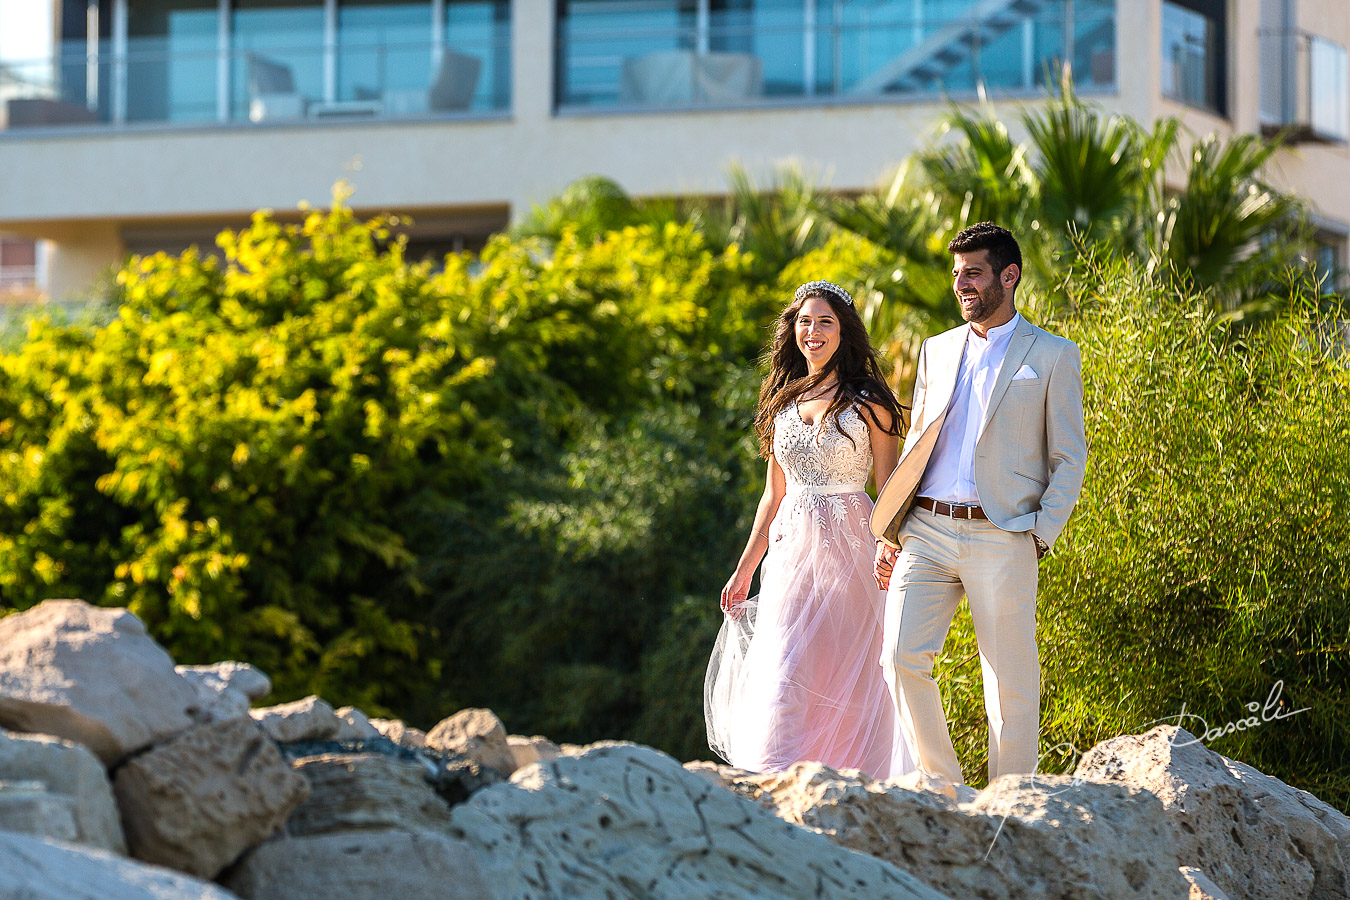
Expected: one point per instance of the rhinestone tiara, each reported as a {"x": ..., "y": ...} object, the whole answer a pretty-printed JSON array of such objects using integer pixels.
[{"x": 828, "y": 287}]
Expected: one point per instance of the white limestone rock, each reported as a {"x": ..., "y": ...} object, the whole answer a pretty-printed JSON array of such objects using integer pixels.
[
  {"x": 239, "y": 676},
  {"x": 32, "y": 869},
  {"x": 1252, "y": 834},
  {"x": 90, "y": 675},
  {"x": 621, "y": 820},
  {"x": 360, "y": 791},
  {"x": 27, "y": 808},
  {"x": 1202, "y": 888},
  {"x": 199, "y": 801},
  {"x": 308, "y": 719},
  {"x": 1023, "y": 838},
  {"x": 360, "y": 865},
  {"x": 68, "y": 770},
  {"x": 526, "y": 750},
  {"x": 400, "y": 732},
  {"x": 224, "y": 689},
  {"x": 354, "y": 726},
  {"x": 477, "y": 734}
]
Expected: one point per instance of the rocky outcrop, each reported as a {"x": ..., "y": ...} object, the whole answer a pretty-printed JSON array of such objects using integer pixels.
[
  {"x": 527, "y": 750},
  {"x": 89, "y": 675},
  {"x": 660, "y": 832},
  {"x": 207, "y": 786},
  {"x": 1252, "y": 834},
  {"x": 400, "y": 733},
  {"x": 224, "y": 690},
  {"x": 199, "y": 801},
  {"x": 69, "y": 770},
  {"x": 1202, "y": 888},
  {"x": 354, "y": 725},
  {"x": 362, "y": 791},
  {"x": 360, "y": 865},
  {"x": 27, "y": 808},
  {"x": 1023, "y": 837},
  {"x": 477, "y": 734},
  {"x": 309, "y": 719},
  {"x": 41, "y": 870}
]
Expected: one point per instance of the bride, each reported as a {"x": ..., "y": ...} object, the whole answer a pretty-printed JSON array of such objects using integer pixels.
[{"x": 795, "y": 673}]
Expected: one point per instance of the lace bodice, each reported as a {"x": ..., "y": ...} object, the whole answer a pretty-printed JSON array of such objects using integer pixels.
[{"x": 817, "y": 457}]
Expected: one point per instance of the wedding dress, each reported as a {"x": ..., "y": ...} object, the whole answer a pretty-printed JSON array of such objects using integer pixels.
[{"x": 798, "y": 676}]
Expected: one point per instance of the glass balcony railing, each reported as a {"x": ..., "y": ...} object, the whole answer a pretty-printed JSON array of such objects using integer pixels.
[
  {"x": 265, "y": 84},
  {"x": 657, "y": 53}
]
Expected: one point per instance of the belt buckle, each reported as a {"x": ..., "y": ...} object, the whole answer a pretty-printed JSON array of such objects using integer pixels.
[{"x": 964, "y": 507}]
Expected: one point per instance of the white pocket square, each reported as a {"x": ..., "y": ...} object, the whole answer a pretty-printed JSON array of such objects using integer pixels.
[{"x": 1024, "y": 373}]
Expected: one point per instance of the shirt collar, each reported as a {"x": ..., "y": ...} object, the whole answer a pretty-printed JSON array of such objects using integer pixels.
[{"x": 998, "y": 334}]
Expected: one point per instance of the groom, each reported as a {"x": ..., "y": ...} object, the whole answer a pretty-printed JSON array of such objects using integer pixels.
[{"x": 990, "y": 470}]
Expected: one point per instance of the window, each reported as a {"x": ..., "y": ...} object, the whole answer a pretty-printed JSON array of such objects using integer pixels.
[
  {"x": 1329, "y": 255},
  {"x": 1193, "y": 58},
  {"x": 1328, "y": 82},
  {"x": 735, "y": 52}
]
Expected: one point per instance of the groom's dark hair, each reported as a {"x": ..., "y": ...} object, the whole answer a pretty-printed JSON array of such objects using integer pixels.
[{"x": 1002, "y": 246}]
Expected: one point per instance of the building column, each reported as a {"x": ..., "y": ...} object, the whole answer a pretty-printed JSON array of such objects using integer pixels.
[
  {"x": 77, "y": 257},
  {"x": 1139, "y": 58},
  {"x": 533, "y": 53}
]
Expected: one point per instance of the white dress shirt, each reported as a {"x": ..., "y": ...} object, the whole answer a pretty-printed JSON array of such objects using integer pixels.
[{"x": 950, "y": 474}]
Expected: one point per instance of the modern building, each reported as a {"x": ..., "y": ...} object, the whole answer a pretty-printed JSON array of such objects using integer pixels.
[{"x": 138, "y": 125}]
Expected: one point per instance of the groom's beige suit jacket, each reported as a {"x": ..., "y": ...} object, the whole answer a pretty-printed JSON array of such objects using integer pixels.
[{"x": 1031, "y": 456}]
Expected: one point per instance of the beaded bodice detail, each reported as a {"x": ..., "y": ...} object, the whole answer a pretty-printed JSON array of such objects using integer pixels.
[{"x": 818, "y": 456}]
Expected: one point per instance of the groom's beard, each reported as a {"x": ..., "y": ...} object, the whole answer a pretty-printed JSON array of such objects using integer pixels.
[{"x": 989, "y": 301}]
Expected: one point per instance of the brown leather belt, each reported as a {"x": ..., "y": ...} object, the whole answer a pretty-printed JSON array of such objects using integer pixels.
[{"x": 955, "y": 511}]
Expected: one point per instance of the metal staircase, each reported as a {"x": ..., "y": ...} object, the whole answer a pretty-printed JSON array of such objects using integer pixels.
[{"x": 949, "y": 46}]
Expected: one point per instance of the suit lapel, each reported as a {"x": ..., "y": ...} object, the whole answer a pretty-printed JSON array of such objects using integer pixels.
[
  {"x": 946, "y": 363},
  {"x": 1019, "y": 345}
]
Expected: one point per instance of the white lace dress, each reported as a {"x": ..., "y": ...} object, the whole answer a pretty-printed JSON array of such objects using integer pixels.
[{"x": 799, "y": 677}]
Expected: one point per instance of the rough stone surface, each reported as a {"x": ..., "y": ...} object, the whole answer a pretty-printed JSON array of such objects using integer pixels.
[
  {"x": 26, "y": 807},
  {"x": 238, "y": 676},
  {"x": 223, "y": 689},
  {"x": 31, "y": 869},
  {"x": 356, "y": 791},
  {"x": 923, "y": 781},
  {"x": 368, "y": 865},
  {"x": 477, "y": 734},
  {"x": 1252, "y": 834},
  {"x": 452, "y": 776},
  {"x": 199, "y": 801},
  {"x": 90, "y": 675},
  {"x": 400, "y": 733},
  {"x": 68, "y": 770},
  {"x": 310, "y": 719},
  {"x": 1202, "y": 888},
  {"x": 1023, "y": 837},
  {"x": 622, "y": 820},
  {"x": 526, "y": 750},
  {"x": 354, "y": 725}
]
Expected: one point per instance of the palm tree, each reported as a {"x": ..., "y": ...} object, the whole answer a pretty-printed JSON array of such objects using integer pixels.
[{"x": 1083, "y": 178}]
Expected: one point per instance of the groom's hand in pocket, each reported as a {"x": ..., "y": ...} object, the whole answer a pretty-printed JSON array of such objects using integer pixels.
[{"x": 883, "y": 564}]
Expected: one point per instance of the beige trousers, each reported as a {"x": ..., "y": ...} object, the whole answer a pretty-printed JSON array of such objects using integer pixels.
[{"x": 939, "y": 559}]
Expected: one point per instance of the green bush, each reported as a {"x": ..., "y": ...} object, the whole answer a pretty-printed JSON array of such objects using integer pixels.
[{"x": 254, "y": 456}]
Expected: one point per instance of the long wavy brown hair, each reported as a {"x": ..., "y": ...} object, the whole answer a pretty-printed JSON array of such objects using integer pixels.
[{"x": 860, "y": 377}]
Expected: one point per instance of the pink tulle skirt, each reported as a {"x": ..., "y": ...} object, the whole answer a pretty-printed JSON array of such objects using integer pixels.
[{"x": 798, "y": 676}]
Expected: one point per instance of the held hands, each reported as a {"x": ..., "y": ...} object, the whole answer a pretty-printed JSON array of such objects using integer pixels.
[
  {"x": 734, "y": 594},
  {"x": 883, "y": 564}
]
